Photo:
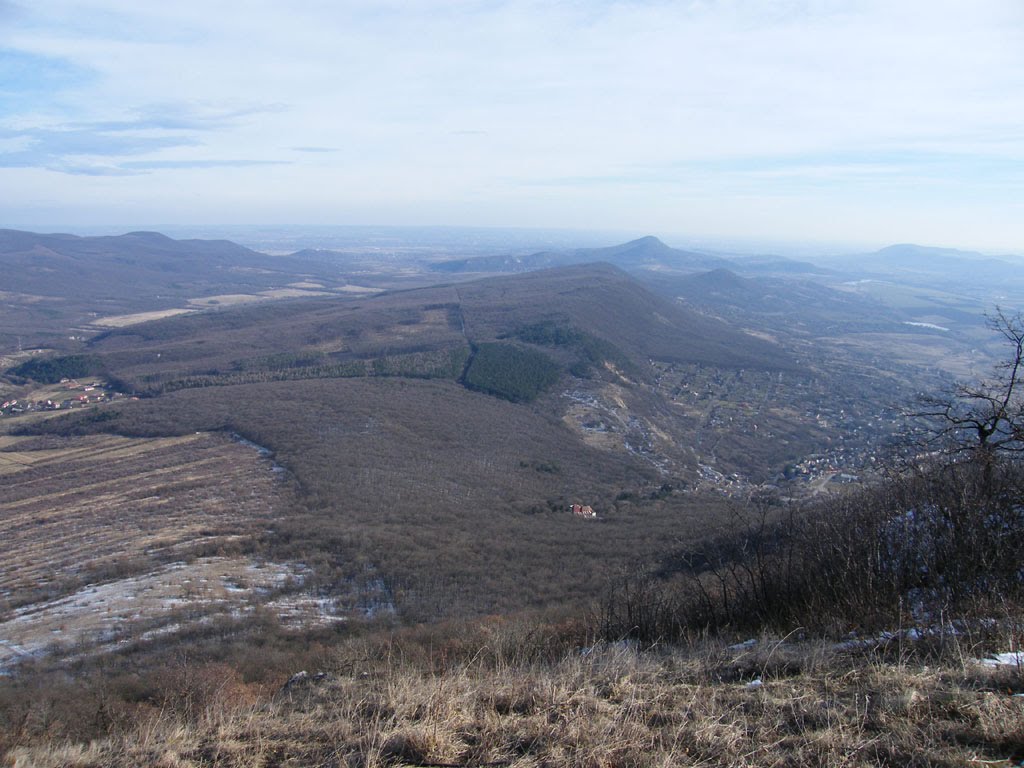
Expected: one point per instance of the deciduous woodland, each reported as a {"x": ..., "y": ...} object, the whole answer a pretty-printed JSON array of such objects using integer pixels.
[{"x": 339, "y": 529}]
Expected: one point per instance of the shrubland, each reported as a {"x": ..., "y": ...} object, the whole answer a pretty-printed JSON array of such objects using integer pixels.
[
  {"x": 523, "y": 693},
  {"x": 861, "y": 619}
]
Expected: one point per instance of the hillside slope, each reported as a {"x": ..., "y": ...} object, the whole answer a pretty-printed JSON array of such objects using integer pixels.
[
  {"x": 606, "y": 301},
  {"x": 57, "y": 288},
  {"x": 424, "y": 328},
  {"x": 793, "y": 305},
  {"x": 645, "y": 252},
  {"x": 137, "y": 265},
  {"x": 362, "y": 400}
]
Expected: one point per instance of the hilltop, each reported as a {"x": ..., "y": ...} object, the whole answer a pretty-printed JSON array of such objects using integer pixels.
[
  {"x": 645, "y": 252},
  {"x": 58, "y": 286},
  {"x": 138, "y": 266}
]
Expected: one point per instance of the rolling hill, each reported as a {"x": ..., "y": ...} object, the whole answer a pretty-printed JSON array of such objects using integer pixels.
[
  {"x": 407, "y": 411},
  {"x": 423, "y": 332},
  {"x": 646, "y": 252},
  {"x": 138, "y": 266},
  {"x": 436, "y": 436},
  {"x": 59, "y": 283},
  {"x": 797, "y": 306}
]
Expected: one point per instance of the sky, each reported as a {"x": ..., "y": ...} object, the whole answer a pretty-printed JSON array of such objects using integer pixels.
[{"x": 871, "y": 121}]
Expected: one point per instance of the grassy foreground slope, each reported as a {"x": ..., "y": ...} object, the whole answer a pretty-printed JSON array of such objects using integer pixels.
[{"x": 488, "y": 703}]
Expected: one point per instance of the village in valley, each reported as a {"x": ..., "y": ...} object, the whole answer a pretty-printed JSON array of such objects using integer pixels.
[{"x": 66, "y": 395}]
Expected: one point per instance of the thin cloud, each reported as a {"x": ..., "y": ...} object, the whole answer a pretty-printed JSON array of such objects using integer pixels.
[
  {"x": 153, "y": 165},
  {"x": 183, "y": 117},
  {"x": 154, "y": 128},
  {"x": 93, "y": 170},
  {"x": 56, "y": 149},
  {"x": 315, "y": 150}
]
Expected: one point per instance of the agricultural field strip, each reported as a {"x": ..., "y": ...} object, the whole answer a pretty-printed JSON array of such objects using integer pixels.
[
  {"x": 124, "y": 518},
  {"x": 89, "y": 446},
  {"x": 105, "y": 449},
  {"x": 229, "y": 299},
  {"x": 89, "y": 453},
  {"x": 57, "y": 558},
  {"x": 146, "y": 532},
  {"x": 45, "y": 571},
  {"x": 122, "y": 321},
  {"x": 88, "y": 489},
  {"x": 49, "y": 539}
]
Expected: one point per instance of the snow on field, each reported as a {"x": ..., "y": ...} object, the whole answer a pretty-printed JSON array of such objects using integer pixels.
[{"x": 169, "y": 596}]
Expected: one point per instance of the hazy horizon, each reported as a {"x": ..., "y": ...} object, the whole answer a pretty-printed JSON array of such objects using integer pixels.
[
  {"x": 863, "y": 123},
  {"x": 510, "y": 239}
]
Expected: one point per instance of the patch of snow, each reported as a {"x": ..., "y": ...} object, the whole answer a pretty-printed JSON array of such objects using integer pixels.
[
  {"x": 932, "y": 326},
  {"x": 1012, "y": 659},
  {"x": 263, "y": 451},
  {"x": 104, "y": 613},
  {"x": 745, "y": 645}
]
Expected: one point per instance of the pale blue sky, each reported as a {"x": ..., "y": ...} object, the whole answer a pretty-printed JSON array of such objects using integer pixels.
[{"x": 856, "y": 120}]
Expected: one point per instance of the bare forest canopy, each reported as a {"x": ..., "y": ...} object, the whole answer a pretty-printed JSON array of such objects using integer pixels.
[{"x": 438, "y": 424}]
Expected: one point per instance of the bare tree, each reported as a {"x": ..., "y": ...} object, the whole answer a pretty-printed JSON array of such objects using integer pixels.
[{"x": 983, "y": 419}]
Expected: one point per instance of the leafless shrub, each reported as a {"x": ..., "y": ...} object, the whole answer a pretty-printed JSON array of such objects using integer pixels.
[{"x": 937, "y": 544}]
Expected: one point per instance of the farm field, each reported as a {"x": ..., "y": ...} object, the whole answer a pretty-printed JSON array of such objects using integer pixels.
[
  {"x": 128, "y": 518},
  {"x": 122, "y": 321}
]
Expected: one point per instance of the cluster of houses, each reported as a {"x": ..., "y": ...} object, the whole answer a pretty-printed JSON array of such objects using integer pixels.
[{"x": 79, "y": 395}]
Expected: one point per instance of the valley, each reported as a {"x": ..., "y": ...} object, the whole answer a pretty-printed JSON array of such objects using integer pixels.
[
  {"x": 394, "y": 402},
  {"x": 408, "y": 469},
  {"x": 425, "y": 439}
]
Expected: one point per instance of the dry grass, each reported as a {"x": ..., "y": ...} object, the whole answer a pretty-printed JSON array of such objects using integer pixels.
[{"x": 610, "y": 707}]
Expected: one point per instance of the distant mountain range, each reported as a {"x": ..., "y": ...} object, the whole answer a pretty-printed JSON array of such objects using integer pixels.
[
  {"x": 61, "y": 283},
  {"x": 926, "y": 260},
  {"x": 139, "y": 264},
  {"x": 645, "y": 253},
  {"x": 651, "y": 254}
]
